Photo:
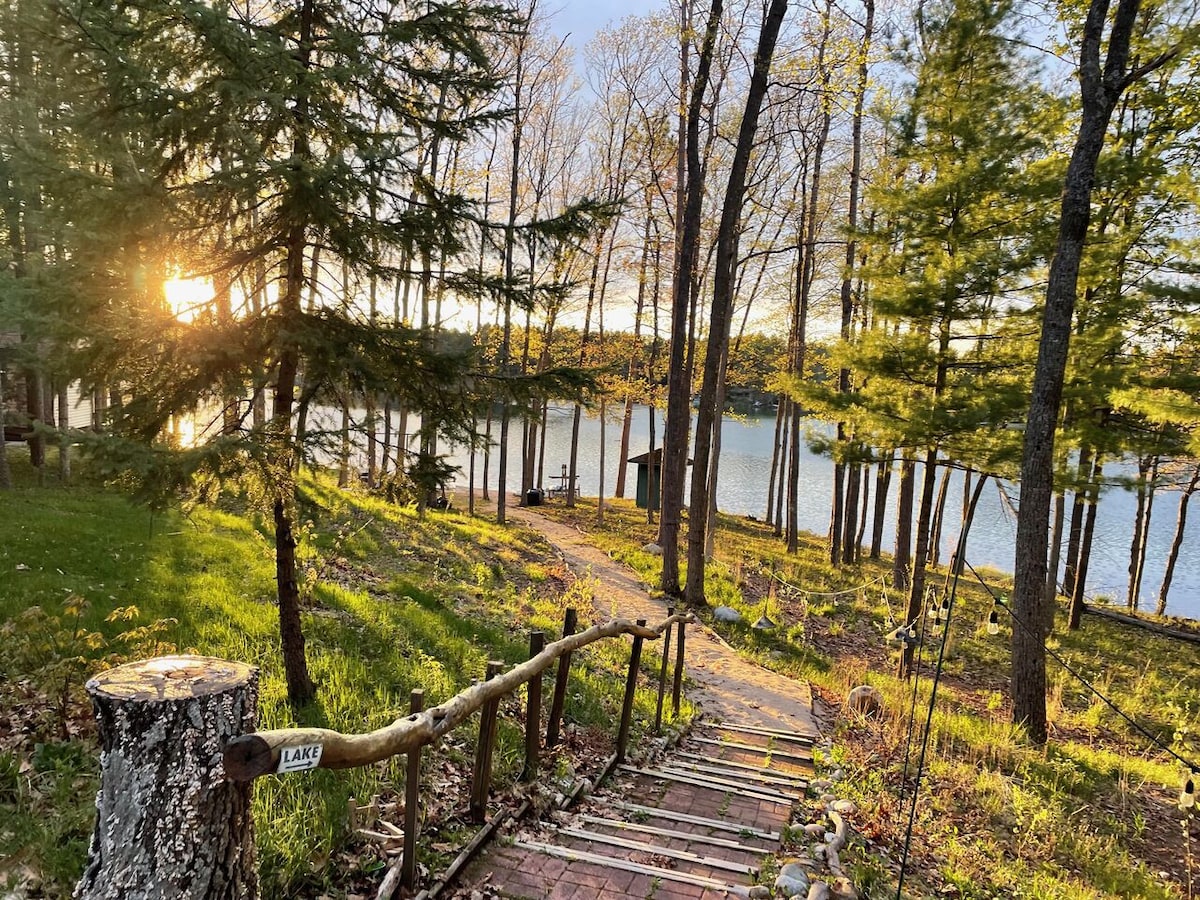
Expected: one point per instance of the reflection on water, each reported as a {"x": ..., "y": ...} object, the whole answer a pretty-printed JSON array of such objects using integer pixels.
[{"x": 746, "y": 448}]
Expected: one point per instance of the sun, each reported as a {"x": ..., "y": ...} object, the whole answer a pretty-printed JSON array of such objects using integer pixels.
[{"x": 187, "y": 296}]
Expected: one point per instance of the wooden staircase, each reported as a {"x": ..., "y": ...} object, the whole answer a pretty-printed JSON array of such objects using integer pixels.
[{"x": 696, "y": 823}]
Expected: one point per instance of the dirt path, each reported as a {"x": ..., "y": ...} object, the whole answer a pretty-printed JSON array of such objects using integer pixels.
[{"x": 730, "y": 688}]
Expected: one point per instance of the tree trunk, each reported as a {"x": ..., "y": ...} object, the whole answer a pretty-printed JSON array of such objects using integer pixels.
[
  {"x": 784, "y": 449},
  {"x": 1085, "y": 547},
  {"x": 939, "y": 516},
  {"x": 295, "y": 666},
  {"x": 64, "y": 434},
  {"x": 168, "y": 822},
  {"x": 850, "y": 514},
  {"x": 883, "y": 482},
  {"x": 1060, "y": 513},
  {"x": 1177, "y": 541},
  {"x": 679, "y": 416},
  {"x": 1143, "y": 544},
  {"x": 916, "y": 595},
  {"x": 864, "y": 479},
  {"x": 1101, "y": 84},
  {"x": 709, "y": 414},
  {"x": 1078, "y": 511},
  {"x": 904, "y": 511},
  {"x": 776, "y": 461},
  {"x": 5, "y": 471}
]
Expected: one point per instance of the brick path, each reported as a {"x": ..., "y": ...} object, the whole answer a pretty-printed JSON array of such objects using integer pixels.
[{"x": 697, "y": 823}]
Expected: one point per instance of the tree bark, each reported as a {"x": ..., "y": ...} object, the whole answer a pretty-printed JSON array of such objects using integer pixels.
[
  {"x": 883, "y": 481},
  {"x": 169, "y": 824},
  {"x": 722, "y": 301},
  {"x": 904, "y": 511},
  {"x": 5, "y": 471},
  {"x": 1142, "y": 545},
  {"x": 1176, "y": 541},
  {"x": 64, "y": 434},
  {"x": 1085, "y": 546},
  {"x": 1078, "y": 511},
  {"x": 679, "y": 416},
  {"x": 916, "y": 595},
  {"x": 1060, "y": 504},
  {"x": 1101, "y": 84},
  {"x": 939, "y": 516}
]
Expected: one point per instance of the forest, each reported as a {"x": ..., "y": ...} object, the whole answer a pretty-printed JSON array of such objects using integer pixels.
[{"x": 962, "y": 232}]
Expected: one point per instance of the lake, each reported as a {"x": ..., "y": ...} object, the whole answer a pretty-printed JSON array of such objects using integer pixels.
[{"x": 746, "y": 448}]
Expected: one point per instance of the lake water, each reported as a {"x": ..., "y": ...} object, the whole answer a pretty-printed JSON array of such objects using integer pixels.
[{"x": 746, "y": 448}]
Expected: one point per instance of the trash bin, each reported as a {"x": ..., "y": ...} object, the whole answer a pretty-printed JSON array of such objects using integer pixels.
[{"x": 534, "y": 497}]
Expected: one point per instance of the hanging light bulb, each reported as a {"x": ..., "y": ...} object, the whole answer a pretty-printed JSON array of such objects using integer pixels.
[
  {"x": 1187, "y": 797},
  {"x": 993, "y": 625}
]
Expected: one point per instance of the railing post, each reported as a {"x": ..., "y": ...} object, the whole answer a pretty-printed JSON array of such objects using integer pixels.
[
  {"x": 662, "y": 672},
  {"x": 635, "y": 659},
  {"x": 482, "y": 779},
  {"x": 533, "y": 711},
  {"x": 677, "y": 688},
  {"x": 570, "y": 622},
  {"x": 412, "y": 787}
]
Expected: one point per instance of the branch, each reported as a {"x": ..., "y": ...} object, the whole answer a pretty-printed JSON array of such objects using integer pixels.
[{"x": 251, "y": 755}]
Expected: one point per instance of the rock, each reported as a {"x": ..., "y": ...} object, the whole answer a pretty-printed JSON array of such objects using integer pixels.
[
  {"x": 760, "y": 892},
  {"x": 815, "y": 830},
  {"x": 844, "y": 807},
  {"x": 653, "y": 549},
  {"x": 818, "y": 891},
  {"x": 865, "y": 700},
  {"x": 843, "y": 889},
  {"x": 833, "y": 860},
  {"x": 727, "y": 614},
  {"x": 820, "y": 784},
  {"x": 837, "y": 775},
  {"x": 792, "y": 879},
  {"x": 828, "y": 798}
]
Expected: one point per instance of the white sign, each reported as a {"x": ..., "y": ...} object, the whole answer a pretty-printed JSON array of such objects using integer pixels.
[{"x": 299, "y": 759}]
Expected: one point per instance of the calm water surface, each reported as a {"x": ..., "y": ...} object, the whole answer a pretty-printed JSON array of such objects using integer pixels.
[{"x": 746, "y": 448}]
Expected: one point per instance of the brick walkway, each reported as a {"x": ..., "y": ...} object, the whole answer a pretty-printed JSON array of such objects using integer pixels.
[{"x": 695, "y": 824}]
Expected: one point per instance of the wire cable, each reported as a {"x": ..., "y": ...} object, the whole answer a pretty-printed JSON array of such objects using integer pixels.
[{"x": 1137, "y": 726}]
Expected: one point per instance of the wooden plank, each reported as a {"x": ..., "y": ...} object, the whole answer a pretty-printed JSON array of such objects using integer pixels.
[
  {"x": 696, "y": 781},
  {"x": 738, "y": 890},
  {"x": 599, "y": 837},
  {"x": 739, "y": 773},
  {"x": 793, "y": 736},
  {"x": 732, "y": 784},
  {"x": 765, "y": 751},
  {"x": 689, "y": 836},
  {"x": 715, "y": 824},
  {"x": 797, "y": 778}
]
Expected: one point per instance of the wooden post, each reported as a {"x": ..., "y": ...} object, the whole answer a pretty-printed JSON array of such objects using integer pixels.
[
  {"x": 533, "y": 711},
  {"x": 677, "y": 688},
  {"x": 635, "y": 659},
  {"x": 168, "y": 822},
  {"x": 662, "y": 672},
  {"x": 570, "y": 622},
  {"x": 483, "y": 752},
  {"x": 412, "y": 791}
]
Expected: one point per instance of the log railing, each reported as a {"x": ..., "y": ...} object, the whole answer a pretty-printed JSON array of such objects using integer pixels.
[{"x": 295, "y": 749}]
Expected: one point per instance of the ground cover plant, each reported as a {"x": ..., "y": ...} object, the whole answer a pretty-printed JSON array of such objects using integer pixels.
[
  {"x": 1092, "y": 814},
  {"x": 393, "y": 601}
]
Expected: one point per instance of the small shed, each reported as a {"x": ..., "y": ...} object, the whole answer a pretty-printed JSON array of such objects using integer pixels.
[{"x": 649, "y": 476}]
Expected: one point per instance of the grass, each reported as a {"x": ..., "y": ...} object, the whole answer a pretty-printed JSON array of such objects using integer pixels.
[
  {"x": 1092, "y": 814},
  {"x": 392, "y": 602}
]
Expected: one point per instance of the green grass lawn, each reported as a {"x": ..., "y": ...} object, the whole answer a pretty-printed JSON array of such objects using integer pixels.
[
  {"x": 1093, "y": 814},
  {"x": 393, "y": 602}
]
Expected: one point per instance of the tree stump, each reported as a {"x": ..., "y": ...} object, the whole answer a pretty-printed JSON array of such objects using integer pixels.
[{"x": 168, "y": 822}]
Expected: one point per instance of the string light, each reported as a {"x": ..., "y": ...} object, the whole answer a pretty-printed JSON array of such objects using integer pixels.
[
  {"x": 1187, "y": 797},
  {"x": 993, "y": 625}
]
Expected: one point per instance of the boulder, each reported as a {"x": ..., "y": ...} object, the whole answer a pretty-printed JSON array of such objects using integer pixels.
[
  {"x": 653, "y": 549},
  {"x": 727, "y": 614},
  {"x": 865, "y": 700},
  {"x": 792, "y": 879}
]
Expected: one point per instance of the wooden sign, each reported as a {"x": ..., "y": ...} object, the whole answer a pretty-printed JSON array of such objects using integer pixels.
[{"x": 299, "y": 759}]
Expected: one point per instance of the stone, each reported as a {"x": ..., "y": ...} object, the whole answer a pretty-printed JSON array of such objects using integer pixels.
[
  {"x": 792, "y": 879},
  {"x": 819, "y": 890},
  {"x": 844, "y": 807},
  {"x": 653, "y": 549},
  {"x": 865, "y": 700},
  {"x": 727, "y": 614},
  {"x": 815, "y": 830},
  {"x": 828, "y": 798},
  {"x": 760, "y": 892},
  {"x": 843, "y": 889}
]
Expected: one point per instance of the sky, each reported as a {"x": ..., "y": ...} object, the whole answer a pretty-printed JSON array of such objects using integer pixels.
[{"x": 583, "y": 18}]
